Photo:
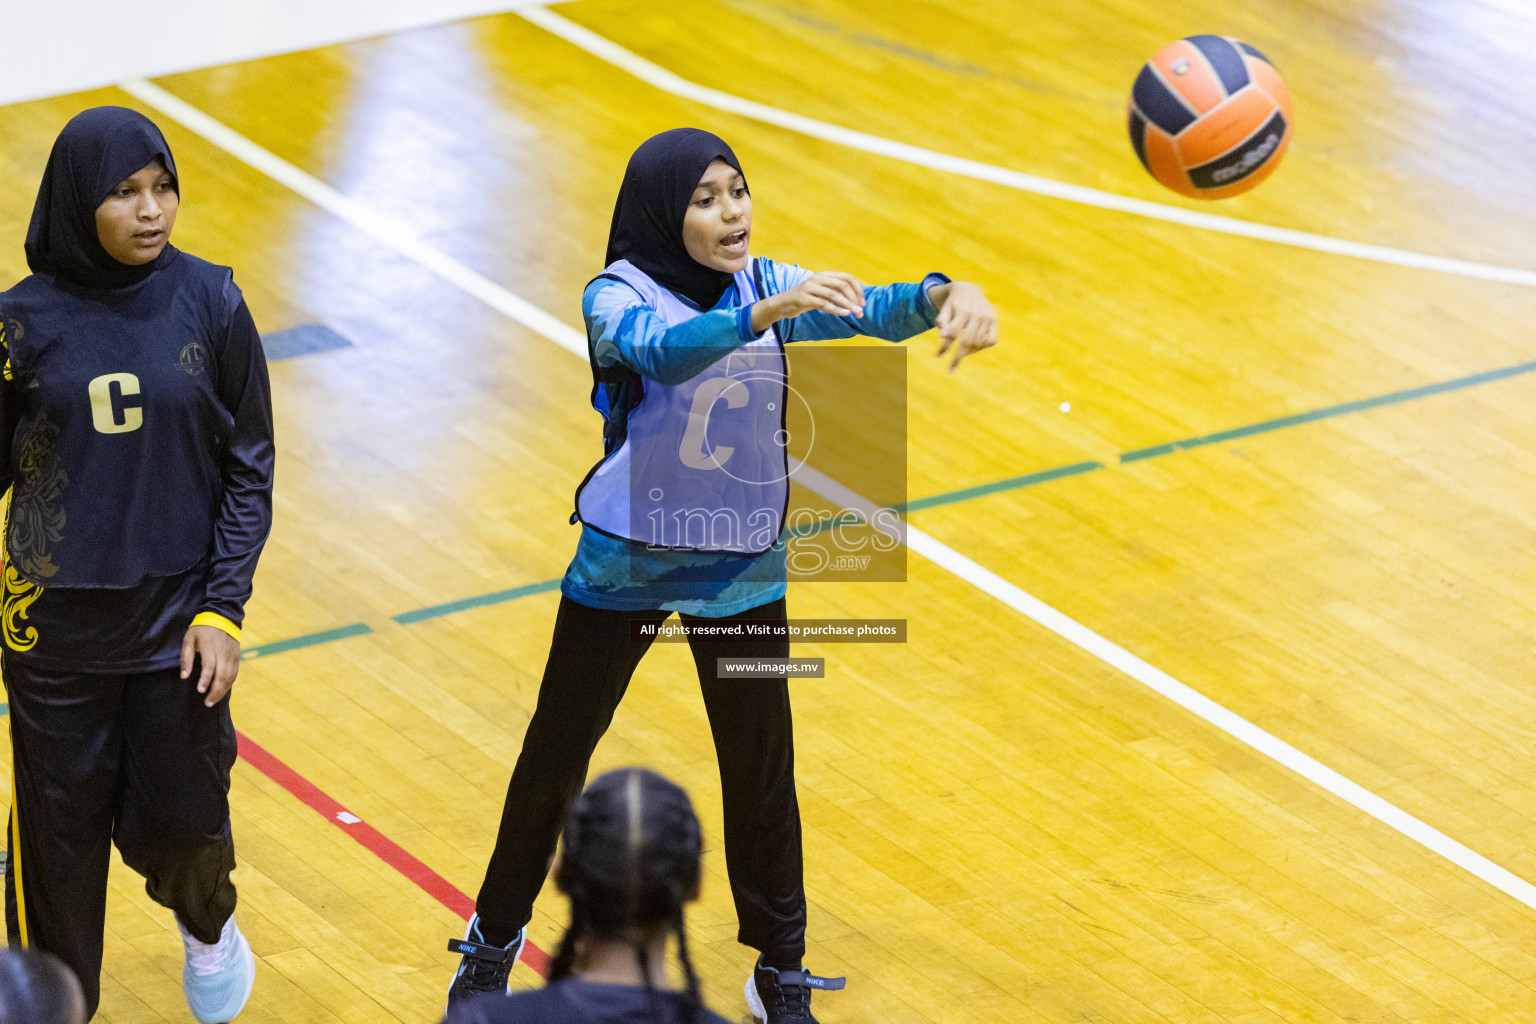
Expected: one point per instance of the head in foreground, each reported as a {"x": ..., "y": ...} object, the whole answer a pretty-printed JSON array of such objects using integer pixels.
[
  {"x": 630, "y": 862},
  {"x": 36, "y": 988}
]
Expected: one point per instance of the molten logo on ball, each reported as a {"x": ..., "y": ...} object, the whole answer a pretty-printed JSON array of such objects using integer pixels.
[{"x": 1210, "y": 117}]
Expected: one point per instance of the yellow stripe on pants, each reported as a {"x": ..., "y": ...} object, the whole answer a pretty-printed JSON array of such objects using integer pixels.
[{"x": 21, "y": 900}]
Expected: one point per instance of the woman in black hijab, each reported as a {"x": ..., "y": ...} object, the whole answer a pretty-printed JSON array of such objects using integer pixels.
[
  {"x": 136, "y": 436},
  {"x": 686, "y": 337}
]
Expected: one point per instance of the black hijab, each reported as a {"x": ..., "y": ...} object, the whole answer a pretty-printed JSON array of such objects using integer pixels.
[
  {"x": 648, "y": 216},
  {"x": 96, "y": 151}
]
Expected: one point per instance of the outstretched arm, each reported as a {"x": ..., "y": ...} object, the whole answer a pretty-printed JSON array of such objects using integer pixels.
[
  {"x": 839, "y": 295},
  {"x": 835, "y": 305},
  {"x": 967, "y": 322}
]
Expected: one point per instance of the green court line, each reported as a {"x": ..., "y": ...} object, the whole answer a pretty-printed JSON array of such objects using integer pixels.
[
  {"x": 480, "y": 601},
  {"x": 1013, "y": 483},
  {"x": 1343, "y": 408},
  {"x": 307, "y": 640},
  {"x": 963, "y": 494}
]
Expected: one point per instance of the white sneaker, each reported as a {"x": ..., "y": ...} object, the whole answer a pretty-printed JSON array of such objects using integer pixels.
[{"x": 217, "y": 979}]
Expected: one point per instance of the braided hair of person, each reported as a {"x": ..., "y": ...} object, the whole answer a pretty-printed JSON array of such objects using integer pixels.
[{"x": 630, "y": 863}]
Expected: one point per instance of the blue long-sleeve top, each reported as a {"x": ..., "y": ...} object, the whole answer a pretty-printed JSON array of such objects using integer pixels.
[{"x": 611, "y": 573}]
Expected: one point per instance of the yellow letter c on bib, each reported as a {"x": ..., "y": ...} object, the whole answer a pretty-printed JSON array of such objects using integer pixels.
[{"x": 104, "y": 413}]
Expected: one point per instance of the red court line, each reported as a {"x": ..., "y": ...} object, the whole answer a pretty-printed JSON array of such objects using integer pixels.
[{"x": 376, "y": 842}]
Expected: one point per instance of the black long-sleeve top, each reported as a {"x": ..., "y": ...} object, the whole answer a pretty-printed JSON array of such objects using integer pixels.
[{"x": 136, "y": 433}]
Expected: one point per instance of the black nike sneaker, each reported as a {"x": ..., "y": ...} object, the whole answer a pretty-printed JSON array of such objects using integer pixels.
[
  {"x": 784, "y": 997},
  {"x": 485, "y": 968}
]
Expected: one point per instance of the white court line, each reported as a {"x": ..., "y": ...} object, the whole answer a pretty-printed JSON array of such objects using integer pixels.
[
  {"x": 661, "y": 78},
  {"x": 1186, "y": 697},
  {"x": 400, "y": 237},
  {"x": 388, "y": 231}
]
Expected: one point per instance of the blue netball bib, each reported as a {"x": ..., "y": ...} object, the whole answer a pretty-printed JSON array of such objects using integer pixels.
[{"x": 704, "y": 464}]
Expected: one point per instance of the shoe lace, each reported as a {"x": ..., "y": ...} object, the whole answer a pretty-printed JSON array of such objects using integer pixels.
[
  {"x": 791, "y": 1001},
  {"x": 483, "y": 975},
  {"x": 205, "y": 959}
]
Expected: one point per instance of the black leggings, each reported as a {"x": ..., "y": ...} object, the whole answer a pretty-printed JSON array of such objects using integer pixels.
[
  {"x": 591, "y": 660},
  {"x": 133, "y": 758}
]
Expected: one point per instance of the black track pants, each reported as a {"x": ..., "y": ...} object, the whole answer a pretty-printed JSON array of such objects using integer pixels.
[
  {"x": 135, "y": 759},
  {"x": 591, "y": 660}
]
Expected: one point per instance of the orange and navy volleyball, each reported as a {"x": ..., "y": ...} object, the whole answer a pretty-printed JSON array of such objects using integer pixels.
[{"x": 1210, "y": 117}]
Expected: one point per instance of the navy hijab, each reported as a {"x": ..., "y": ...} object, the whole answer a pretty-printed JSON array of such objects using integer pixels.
[
  {"x": 95, "y": 152},
  {"x": 648, "y": 216}
]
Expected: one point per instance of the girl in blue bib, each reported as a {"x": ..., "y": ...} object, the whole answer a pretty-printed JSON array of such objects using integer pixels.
[{"x": 685, "y": 513}]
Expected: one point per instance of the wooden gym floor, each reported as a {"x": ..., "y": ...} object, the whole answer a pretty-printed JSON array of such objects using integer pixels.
[{"x": 1000, "y": 825}]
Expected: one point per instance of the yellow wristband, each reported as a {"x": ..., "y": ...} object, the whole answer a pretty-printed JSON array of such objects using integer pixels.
[{"x": 217, "y": 621}]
